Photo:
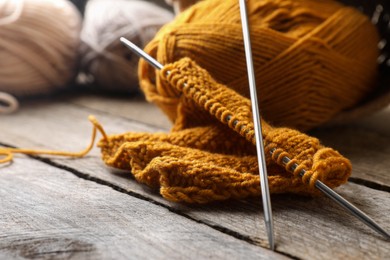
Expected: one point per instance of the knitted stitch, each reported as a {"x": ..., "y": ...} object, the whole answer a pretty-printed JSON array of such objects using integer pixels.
[{"x": 210, "y": 153}]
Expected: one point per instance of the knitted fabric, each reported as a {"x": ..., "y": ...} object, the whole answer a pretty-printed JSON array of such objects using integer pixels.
[{"x": 210, "y": 153}]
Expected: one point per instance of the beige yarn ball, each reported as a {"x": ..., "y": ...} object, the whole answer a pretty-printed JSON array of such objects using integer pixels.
[
  {"x": 105, "y": 62},
  {"x": 38, "y": 45}
]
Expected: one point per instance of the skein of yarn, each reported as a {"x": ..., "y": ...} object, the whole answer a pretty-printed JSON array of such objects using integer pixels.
[
  {"x": 38, "y": 46},
  {"x": 312, "y": 58},
  {"x": 104, "y": 60}
]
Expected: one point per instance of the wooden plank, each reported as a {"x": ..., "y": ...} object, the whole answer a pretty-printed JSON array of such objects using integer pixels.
[
  {"x": 296, "y": 218},
  {"x": 135, "y": 108},
  {"x": 49, "y": 213}
]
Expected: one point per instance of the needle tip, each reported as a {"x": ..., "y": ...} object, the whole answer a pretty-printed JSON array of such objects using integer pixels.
[
  {"x": 270, "y": 234},
  {"x": 272, "y": 246},
  {"x": 123, "y": 40},
  {"x": 141, "y": 53}
]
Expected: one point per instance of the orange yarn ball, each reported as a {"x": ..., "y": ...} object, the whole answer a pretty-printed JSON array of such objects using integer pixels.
[{"x": 313, "y": 58}]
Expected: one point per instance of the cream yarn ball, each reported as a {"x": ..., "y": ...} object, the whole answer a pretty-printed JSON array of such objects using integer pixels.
[
  {"x": 104, "y": 61},
  {"x": 39, "y": 40}
]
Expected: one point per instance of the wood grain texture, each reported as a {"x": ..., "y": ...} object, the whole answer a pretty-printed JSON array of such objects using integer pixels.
[
  {"x": 48, "y": 213},
  {"x": 305, "y": 228},
  {"x": 135, "y": 108}
]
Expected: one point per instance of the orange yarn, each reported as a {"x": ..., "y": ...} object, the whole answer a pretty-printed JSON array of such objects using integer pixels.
[
  {"x": 7, "y": 153},
  {"x": 313, "y": 58},
  {"x": 210, "y": 155}
]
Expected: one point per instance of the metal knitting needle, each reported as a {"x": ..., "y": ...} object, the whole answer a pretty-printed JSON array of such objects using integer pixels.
[
  {"x": 257, "y": 126},
  {"x": 134, "y": 48},
  {"x": 320, "y": 185}
]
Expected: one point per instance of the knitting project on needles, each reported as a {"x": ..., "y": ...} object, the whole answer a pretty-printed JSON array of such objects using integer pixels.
[{"x": 210, "y": 153}]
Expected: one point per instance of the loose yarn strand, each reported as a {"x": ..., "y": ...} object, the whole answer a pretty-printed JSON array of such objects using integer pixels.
[{"x": 8, "y": 153}]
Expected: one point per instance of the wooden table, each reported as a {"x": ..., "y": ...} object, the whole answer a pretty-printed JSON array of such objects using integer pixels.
[{"x": 56, "y": 208}]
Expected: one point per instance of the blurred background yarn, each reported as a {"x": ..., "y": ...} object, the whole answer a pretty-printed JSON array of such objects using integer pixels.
[
  {"x": 180, "y": 5},
  {"x": 39, "y": 40},
  {"x": 104, "y": 62}
]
